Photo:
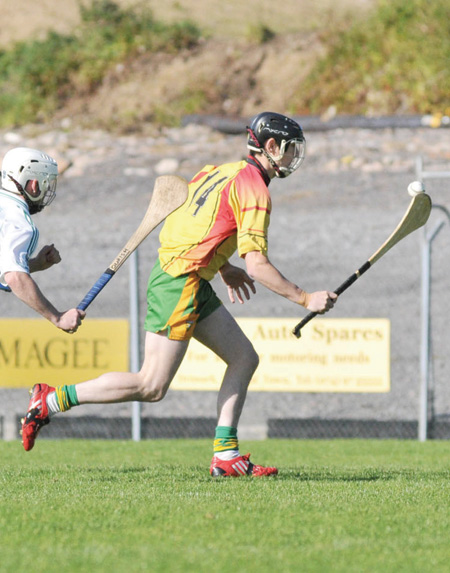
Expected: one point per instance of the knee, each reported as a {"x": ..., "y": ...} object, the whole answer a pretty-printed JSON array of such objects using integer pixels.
[
  {"x": 255, "y": 359},
  {"x": 250, "y": 358},
  {"x": 151, "y": 392}
]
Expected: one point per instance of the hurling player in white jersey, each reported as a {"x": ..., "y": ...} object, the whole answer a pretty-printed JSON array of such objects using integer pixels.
[{"x": 28, "y": 185}]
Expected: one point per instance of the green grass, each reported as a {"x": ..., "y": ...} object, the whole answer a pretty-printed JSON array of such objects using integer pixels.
[
  {"x": 341, "y": 506},
  {"x": 394, "y": 61},
  {"x": 37, "y": 77}
]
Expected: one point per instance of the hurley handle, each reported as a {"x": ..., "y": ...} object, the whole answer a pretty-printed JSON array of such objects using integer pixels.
[
  {"x": 98, "y": 286},
  {"x": 344, "y": 286}
]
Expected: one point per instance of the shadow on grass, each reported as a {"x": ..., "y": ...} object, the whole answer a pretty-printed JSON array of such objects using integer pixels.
[
  {"x": 342, "y": 476},
  {"x": 368, "y": 475},
  {"x": 350, "y": 475}
]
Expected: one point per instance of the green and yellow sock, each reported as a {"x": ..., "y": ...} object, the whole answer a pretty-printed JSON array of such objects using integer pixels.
[
  {"x": 62, "y": 399},
  {"x": 226, "y": 445}
]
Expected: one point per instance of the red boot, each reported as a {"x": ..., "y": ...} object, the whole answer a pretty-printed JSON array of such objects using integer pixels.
[
  {"x": 36, "y": 416},
  {"x": 241, "y": 466}
]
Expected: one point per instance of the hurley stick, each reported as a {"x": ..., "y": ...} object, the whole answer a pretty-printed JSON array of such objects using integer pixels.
[
  {"x": 415, "y": 217},
  {"x": 169, "y": 193}
]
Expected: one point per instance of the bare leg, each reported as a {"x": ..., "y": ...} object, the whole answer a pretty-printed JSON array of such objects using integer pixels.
[
  {"x": 150, "y": 384},
  {"x": 221, "y": 333}
]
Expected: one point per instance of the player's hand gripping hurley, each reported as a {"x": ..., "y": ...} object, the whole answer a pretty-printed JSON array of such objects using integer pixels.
[
  {"x": 415, "y": 217},
  {"x": 169, "y": 193}
]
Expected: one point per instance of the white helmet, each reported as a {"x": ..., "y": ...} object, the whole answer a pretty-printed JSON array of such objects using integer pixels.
[{"x": 23, "y": 164}]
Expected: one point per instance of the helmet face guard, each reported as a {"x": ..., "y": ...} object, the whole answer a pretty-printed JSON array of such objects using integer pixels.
[
  {"x": 296, "y": 147},
  {"x": 21, "y": 165},
  {"x": 288, "y": 135},
  {"x": 46, "y": 185}
]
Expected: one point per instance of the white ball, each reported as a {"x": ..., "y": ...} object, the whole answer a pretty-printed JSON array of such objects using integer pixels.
[{"x": 415, "y": 188}]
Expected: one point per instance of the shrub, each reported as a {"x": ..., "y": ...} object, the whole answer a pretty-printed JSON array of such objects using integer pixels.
[
  {"x": 38, "y": 76},
  {"x": 395, "y": 61}
]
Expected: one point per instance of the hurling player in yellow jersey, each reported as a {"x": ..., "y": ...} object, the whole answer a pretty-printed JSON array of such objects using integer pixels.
[{"x": 228, "y": 209}]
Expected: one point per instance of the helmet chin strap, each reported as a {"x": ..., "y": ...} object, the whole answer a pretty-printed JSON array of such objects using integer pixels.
[
  {"x": 20, "y": 189},
  {"x": 272, "y": 162}
]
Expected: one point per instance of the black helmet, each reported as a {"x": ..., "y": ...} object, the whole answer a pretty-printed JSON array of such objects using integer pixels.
[{"x": 285, "y": 131}]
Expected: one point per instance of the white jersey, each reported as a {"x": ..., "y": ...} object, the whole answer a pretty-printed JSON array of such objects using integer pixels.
[{"x": 18, "y": 235}]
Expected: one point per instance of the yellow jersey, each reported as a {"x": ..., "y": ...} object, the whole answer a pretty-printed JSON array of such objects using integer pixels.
[{"x": 228, "y": 208}]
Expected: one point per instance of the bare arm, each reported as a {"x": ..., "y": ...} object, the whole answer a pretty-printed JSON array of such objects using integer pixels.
[
  {"x": 47, "y": 257},
  {"x": 261, "y": 270},
  {"x": 24, "y": 287},
  {"x": 237, "y": 280}
]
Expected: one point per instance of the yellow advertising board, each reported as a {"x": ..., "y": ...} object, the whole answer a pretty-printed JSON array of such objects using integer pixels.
[
  {"x": 33, "y": 350},
  {"x": 333, "y": 355}
]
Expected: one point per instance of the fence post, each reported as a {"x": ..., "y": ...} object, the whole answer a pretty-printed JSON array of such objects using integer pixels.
[
  {"x": 426, "y": 338},
  {"x": 425, "y": 348}
]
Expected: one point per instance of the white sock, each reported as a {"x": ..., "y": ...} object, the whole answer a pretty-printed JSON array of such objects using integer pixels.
[
  {"x": 227, "y": 455},
  {"x": 52, "y": 404}
]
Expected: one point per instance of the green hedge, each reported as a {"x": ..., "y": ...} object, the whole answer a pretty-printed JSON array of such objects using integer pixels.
[{"x": 37, "y": 77}]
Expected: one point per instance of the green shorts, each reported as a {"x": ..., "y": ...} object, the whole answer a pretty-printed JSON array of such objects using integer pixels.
[{"x": 176, "y": 304}]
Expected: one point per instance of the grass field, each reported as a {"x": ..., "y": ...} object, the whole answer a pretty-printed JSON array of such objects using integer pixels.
[{"x": 340, "y": 506}]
